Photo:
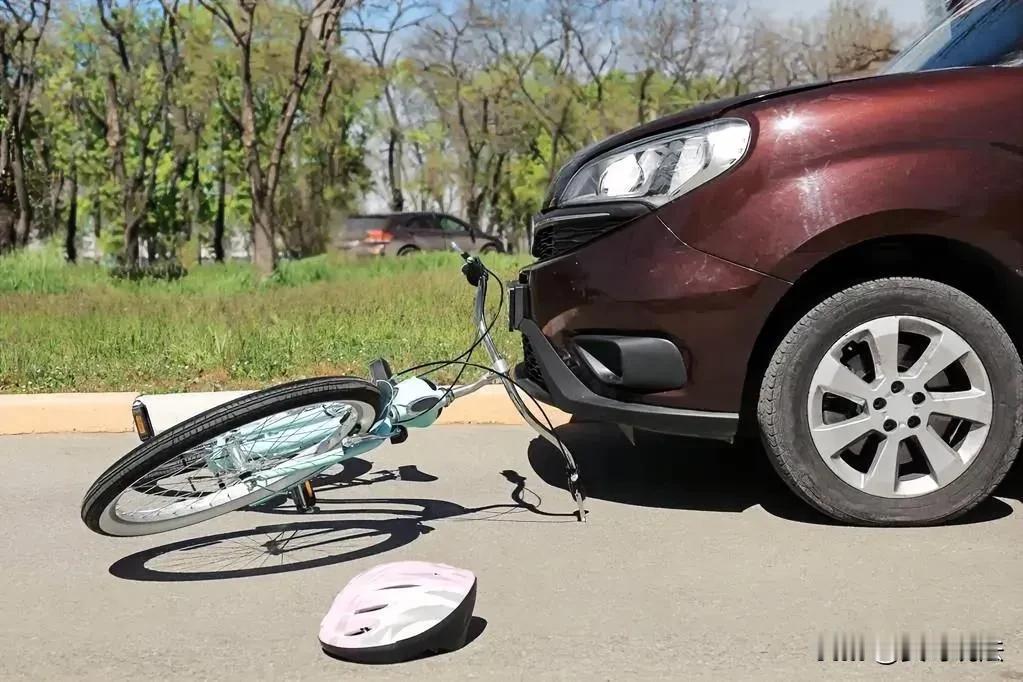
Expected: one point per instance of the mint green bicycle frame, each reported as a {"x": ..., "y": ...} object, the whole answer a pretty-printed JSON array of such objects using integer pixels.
[{"x": 406, "y": 404}]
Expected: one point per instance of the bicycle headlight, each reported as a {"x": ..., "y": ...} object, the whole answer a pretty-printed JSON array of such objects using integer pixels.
[{"x": 658, "y": 169}]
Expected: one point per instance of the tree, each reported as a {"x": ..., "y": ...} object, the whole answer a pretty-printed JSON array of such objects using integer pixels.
[
  {"x": 21, "y": 30},
  {"x": 138, "y": 59},
  {"x": 471, "y": 96},
  {"x": 170, "y": 122},
  {"x": 850, "y": 38},
  {"x": 380, "y": 26},
  {"x": 316, "y": 28}
]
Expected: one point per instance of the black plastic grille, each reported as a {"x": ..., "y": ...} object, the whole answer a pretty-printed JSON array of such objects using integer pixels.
[
  {"x": 531, "y": 364},
  {"x": 560, "y": 238}
]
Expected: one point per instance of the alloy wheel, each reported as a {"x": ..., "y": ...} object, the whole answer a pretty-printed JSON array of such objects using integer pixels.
[{"x": 899, "y": 406}]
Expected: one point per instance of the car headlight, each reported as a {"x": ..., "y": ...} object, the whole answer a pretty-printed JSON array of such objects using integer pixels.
[{"x": 658, "y": 169}]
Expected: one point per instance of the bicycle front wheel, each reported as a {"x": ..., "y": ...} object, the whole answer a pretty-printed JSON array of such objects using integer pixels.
[{"x": 229, "y": 457}]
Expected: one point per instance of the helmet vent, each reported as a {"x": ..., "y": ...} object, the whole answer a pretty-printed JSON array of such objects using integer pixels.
[
  {"x": 370, "y": 609},
  {"x": 397, "y": 587},
  {"x": 360, "y": 631}
]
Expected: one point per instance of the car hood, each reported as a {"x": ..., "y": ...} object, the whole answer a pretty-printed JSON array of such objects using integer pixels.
[{"x": 697, "y": 114}]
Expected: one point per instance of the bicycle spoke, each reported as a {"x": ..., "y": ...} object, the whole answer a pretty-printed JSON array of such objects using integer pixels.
[{"x": 225, "y": 467}]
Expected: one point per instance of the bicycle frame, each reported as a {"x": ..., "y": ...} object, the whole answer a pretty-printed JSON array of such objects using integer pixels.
[
  {"x": 414, "y": 403},
  {"x": 406, "y": 404}
]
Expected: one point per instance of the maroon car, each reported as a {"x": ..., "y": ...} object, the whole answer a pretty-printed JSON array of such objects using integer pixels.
[{"x": 838, "y": 267}]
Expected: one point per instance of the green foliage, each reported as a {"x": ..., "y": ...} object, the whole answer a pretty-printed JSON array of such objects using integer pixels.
[
  {"x": 219, "y": 327},
  {"x": 179, "y": 125},
  {"x": 480, "y": 101},
  {"x": 166, "y": 270},
  {"x": 44, "y": 272}
]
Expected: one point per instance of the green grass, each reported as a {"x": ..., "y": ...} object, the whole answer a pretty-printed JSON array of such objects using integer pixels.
[{"x": 73, "y": 328}]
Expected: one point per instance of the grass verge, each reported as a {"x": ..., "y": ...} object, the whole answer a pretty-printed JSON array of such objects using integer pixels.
[{"x": 73, "y": 328}]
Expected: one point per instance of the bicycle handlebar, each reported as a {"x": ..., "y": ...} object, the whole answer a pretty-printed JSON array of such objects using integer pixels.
[{"x": 477, "y": 275}]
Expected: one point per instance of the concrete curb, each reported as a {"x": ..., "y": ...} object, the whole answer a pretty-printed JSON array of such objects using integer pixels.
[
  {"x": 66, "y": 413},
  {"x": 111, "y": 412}
]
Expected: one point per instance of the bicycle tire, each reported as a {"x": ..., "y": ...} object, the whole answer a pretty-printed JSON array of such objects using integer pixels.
[{"x": 99, "y": 505}]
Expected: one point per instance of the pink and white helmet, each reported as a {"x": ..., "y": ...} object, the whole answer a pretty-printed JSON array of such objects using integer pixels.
[{"x": 399, "y": 611}]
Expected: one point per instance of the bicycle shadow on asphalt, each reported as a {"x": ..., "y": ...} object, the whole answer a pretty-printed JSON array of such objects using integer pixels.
[
  {"x": 655, "y": 471},
  {"x": 673, "y": 472},
  {"x": 383, "y": 524}
]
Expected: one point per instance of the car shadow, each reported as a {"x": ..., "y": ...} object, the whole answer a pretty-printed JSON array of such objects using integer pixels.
[
  {"x": 682, "y": 473},
  {"x": 1012, "y": 486}
]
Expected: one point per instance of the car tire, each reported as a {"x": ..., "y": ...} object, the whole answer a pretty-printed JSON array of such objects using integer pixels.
[
  {"x": 787, "y": 404},
  {"x": 407, "y": 250}
]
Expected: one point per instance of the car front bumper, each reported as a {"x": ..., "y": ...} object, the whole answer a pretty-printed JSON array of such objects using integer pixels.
[
  {"x": 641, "y": 281},
  {"x": 562, "y": 388}
]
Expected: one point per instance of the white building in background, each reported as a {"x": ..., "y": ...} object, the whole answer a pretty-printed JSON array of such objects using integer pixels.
[{"x": 88, "y": 248}]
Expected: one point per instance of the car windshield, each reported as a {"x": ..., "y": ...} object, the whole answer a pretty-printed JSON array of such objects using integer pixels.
[{"x": 978, "y": 33}]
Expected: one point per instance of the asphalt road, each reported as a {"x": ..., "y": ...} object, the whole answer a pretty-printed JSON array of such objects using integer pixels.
[{"x": 695, "y": 564}]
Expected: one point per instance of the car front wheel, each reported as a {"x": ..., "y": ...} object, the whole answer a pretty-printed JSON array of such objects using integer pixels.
[{"x": 895, "y": 402}]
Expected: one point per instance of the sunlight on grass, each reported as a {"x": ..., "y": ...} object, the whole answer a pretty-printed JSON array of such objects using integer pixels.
[{"x": 72, "y": 328}]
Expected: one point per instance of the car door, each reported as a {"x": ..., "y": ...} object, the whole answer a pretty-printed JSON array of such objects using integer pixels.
[
  {"x": 458, "y": 232},
  {"x": 424, "y": 231}
]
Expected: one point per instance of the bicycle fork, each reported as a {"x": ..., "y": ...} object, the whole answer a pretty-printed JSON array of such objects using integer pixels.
[{"x": 571, "y": 468}]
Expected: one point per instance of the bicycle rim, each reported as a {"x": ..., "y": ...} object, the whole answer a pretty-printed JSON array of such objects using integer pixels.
[{"x": 236, "y": 468}]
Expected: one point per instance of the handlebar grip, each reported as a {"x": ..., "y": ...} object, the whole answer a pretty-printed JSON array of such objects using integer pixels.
[{"x": 473, "y": 270}]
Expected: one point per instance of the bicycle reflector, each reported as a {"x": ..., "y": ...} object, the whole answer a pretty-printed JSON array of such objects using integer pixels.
[{"x": 143, "y": 425}]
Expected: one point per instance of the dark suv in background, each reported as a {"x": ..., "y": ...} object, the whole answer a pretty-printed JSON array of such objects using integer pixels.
[
  {"x": 837, "y": 268},
  {"x": 401, "y": 234}
]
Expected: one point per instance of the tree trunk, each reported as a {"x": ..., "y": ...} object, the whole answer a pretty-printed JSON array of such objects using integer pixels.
[
  {"x": 643, "y": 105},
  {"x": 394, "y": 170},
  {"x": 193, "y": 196},
  {"x": 264, "y": 255},
  {"x": 218, "y": 221},
  {"x": 70, "y": 249},
  {"x": 131, "y": 238},
  {"x": 8, "y": 235},
  {"x": 97, "y": 216},
  {"x": 53, "y": 210},
  {"x": 474, "y": 209},
  {"x": 24, "y": 225}
]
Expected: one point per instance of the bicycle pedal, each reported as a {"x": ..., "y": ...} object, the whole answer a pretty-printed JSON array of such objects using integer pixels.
[{"x": 304, "y": 497}]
